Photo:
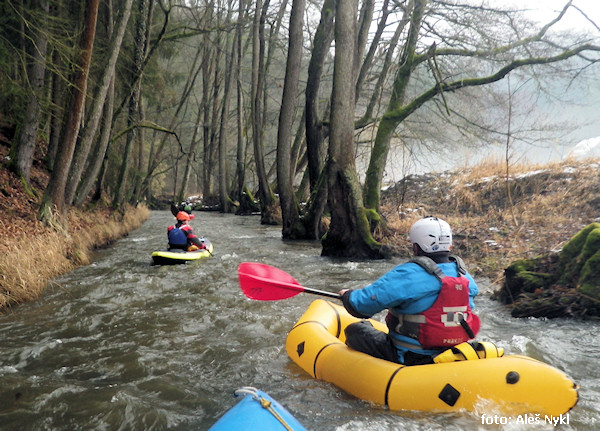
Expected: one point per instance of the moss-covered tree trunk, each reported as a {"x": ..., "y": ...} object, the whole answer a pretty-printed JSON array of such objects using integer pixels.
[
  {"x": 396, "y": 113},
  {"x": 349, "y": 232}
]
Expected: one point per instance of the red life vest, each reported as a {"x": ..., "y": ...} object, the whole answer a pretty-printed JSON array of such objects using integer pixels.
[{"x": 449, "y": 321}]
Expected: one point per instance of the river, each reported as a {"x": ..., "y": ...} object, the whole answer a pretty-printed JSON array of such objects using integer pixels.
[{"x": 124, "y": 345}]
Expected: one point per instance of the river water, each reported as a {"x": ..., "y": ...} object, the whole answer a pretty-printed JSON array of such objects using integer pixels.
[{"x": 123, "y": 345}]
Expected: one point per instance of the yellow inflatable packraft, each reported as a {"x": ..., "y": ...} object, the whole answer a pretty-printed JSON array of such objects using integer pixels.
[
  {"x": 512, "y": 384},
  {"x": 173, "y": 257}
]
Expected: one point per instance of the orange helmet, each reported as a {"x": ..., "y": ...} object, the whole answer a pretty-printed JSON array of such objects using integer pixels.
[{"x": 183, "y": 216}]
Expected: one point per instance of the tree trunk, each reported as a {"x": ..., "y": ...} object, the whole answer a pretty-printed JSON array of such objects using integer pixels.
[
  {"x": 207, "y": 103},
  {"x": 212, "y": 165},
  {"x": 138, "y": 185},
  {"x": 94, "y": 171},
  {"x": 285, "y": 167},
  {"x": 190, "y": 158},
  {"x": 57, "y": 105},
  {"x": 246, "y": 204},
  {"x": 375, "y": 44},
  {"x": 154, "y": 157},
  {"x": 364, "y": 24},
  {"x": 97, "y": 160},
  {"x": 314, "y": 125},
  {"x": 82, "y": 151},
  {"x": 383, "y": 74},
  {"x": 349, "y": 232},
  {"x": 137, "y": 188},
  {"x": 224, "y": 198},
  {"x": 36, "y": 69},
  {"x": 133, "y": 114},
  {"x": 266, "y": 197},
  {"x": 54, "y": 196}
]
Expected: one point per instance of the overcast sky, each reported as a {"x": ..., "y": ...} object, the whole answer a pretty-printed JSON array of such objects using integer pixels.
[{"x": 545, "y": 10}]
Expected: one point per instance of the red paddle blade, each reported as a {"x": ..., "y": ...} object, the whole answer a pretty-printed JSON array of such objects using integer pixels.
[{"x": 266, "y": 283}]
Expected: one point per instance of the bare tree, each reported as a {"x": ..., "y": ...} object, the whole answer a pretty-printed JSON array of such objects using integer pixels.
[
  {"x": 223, "y": 177},
  {"x": 285, "y": 167},
  {"x": 315, "y": 134},
  {"x": 190, "y": 157},
  {"x": 54, "y": 196},
  {"x": 139, "y": 49},
  {"x": 246, "y": 204},
  {"x": 387, "y": 125},
  {"x": 503, "y": 53},
  {"x": 82, "y": 151},
  {"x": 36, "y": 68},
  {"x": 266, "y": 197}
]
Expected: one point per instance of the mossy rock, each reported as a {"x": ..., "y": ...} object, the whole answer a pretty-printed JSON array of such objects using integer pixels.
[
  {"x": 589, "y": 277},
  {"x": 527, "y": 276},
  {"x": 577, "y": 252},
  {"x": 531, "y": 281},
  {"x": 561, "y": 285}
]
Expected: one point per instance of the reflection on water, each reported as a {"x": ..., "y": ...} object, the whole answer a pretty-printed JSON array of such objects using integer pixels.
[{"x": 121, "y": 344}]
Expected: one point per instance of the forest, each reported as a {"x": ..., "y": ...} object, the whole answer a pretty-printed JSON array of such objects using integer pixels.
[{"x": 290, "y": 109}]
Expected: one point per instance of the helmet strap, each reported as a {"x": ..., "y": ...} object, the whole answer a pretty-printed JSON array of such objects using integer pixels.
[
  {"x": 417, "y": 250},
  {"x": 437, "y": 257}
]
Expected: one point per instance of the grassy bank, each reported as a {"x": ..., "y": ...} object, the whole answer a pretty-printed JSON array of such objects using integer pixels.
[
  {"x": 497, "y": 219},
  {"x": 30, "y": 258},
  {"x": 31, "y": 254}
]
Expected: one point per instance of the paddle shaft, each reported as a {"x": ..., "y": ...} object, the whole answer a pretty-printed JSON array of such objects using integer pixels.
[
  {"x": 322, "y": 293},
  {"x": 298, "y": 288}
]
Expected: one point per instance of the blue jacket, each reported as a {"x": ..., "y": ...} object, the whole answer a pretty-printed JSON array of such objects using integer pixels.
[{"x": 408, "y": 289}]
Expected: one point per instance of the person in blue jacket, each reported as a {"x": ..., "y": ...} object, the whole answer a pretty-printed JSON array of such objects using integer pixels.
[
  {"x": 182, "y": 236},
  {"x": 429, "y": 301}
]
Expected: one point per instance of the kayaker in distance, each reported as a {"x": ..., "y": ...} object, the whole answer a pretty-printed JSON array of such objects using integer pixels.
[
  {"x": 429, "y": 302},
  {"x": 186, "y": 206},
  {"x": 182, "y": 236}
]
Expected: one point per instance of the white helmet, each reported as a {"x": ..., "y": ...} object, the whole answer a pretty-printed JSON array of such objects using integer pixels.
[{"x": 432, "y": 234}]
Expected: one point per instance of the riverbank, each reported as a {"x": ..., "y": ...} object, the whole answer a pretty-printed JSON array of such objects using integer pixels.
[
  {"x": 31, "y": 254},
  {"x": 30, "y": 259},
  {"x": 496, "y": 220}
]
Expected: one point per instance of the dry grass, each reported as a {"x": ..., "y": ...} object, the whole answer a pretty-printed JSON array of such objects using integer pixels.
[
  {"x": 31, "y": 254},
  {"x": 29, "y": 262},
  {"x": 550, "y": 204}
]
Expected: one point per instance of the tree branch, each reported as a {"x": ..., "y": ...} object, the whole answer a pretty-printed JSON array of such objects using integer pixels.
[
  {"x": 498, "y": 50},
  {"x": 404, "y": 111}
]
